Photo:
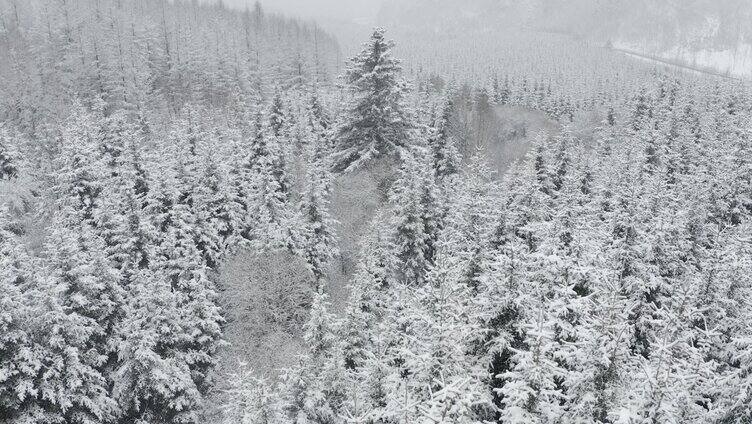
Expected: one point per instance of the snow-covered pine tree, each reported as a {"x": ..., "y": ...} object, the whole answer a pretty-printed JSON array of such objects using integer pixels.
[
  {"x": 445, "y": 381},
  {"x": 372, "y": 385},
  {"x": 218, "y": 218},
  {"x": 374, "y": 276},
  {"x": 447, "y": 159},
  {"x": 469, "y": 213},
  {"x": 738, "y": 388},
  {"x": 131, "y": 236},
  {"x": 18, "y": 361},
  {"x": 500, "y": 313},
  {"x": 91, "y": 287},
  {"x": 532, "y": 393},
  {"x": 179, "y": 260},
  {"x": 319, "y": 239},
  {"x": 19, "y": 358},
  {"x": 79, "y": 177},
  {"x": 122, "y": 178},
  {"x": 278, "y": 119},
  {"x": 275, "y": 225},
  {"x": 535, "y": 387},
  {"x": 414, "y": 217},
  {"x": 53, "y": 344},
  {"x": 198, "y": 187},
  {"x": 561, "y": 159},
  {"x": 91, "y": 296},
  {"x": 271, "y": 221},
  {"x": 154, "y": 382},
  {"x": 112, "y": 136},
  {"x": 314, "y": 390},
  {"x": 8, "y": 160},
  {"x": 503, "y": 277},
  {"x": 257, "y": 144},
  {"x": 318, "y": 114},
  {"x": 278, "y": 150},
  {"x": 725, "y": 296},
  {"x": 69, "y": 387},
  {"x": 252, "y": 401},
  {"x": 376, "y": 123},
  {"x": 240, "y": 174},
  {"x": 159, "y": 202}
]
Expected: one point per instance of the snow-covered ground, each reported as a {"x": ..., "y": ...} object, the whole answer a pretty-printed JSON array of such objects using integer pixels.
[{"x": 735, "y": 62}]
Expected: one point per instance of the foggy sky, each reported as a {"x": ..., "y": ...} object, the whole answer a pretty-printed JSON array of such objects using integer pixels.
[{"x": 362, "y": 11}]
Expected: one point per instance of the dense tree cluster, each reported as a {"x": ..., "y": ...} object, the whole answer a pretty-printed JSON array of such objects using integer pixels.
[
  {"x": 125, "y": 286},
  {"x": 151, "y": 175},
  {"x": 148, "y": 57},
  {"x": 551, "y": 72},
  {"x": 603, "y": 279}
]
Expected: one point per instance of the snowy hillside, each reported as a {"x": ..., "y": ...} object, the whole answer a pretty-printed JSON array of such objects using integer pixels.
[
  {"x": 734, "y": 62},
  {"x": 713, "y": 35},
  {"x": 208, "y": 216}
]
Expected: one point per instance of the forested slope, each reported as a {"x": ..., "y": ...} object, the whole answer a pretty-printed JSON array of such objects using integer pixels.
[
  {"x": 140, "y": 142},
  {"x": 201, "y": 180},
  {"x": 602, "y": 281},
  {"x": 153, "y": 56}
]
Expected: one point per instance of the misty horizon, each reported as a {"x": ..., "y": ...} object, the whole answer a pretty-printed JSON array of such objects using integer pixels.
[{"x": 714, "y": 36}]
